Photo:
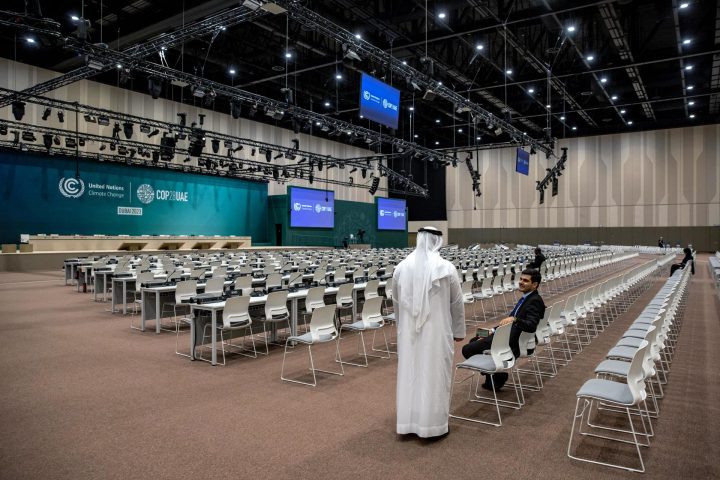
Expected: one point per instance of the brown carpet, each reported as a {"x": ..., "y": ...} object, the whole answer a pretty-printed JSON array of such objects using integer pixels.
[{"x": 85, "y": 397}]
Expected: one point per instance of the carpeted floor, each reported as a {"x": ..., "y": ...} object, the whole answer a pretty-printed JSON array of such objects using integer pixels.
[{"x": 84, "y": 396}]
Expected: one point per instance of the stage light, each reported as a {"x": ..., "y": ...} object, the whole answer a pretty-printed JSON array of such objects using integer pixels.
[
  {"x": 154, "y": 87},
  {"x": 46, "y": 113},
  {"x": 48, "y": 140},
  {"x": 128, "y": 129},
  {"x": 215, "y": 143},
  {"x": 374, "y": 185},
  {"x": 18, "y": 110},
  {"x": 153, "y": 133},
  {"x": 235, "y": 108}
]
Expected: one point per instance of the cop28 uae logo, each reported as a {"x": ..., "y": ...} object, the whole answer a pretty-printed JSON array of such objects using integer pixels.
[
  {"x": 145, "y": 193},
  {"x": 71, "y": 187},
  {"x": 366, "y": 95}
]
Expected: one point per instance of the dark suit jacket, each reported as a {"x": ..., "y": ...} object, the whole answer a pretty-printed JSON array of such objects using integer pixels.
[
  {"x": 539, "y": 259},
  {"x": 527, "y": 318}
]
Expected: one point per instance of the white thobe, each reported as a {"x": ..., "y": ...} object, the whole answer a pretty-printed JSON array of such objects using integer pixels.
[{"x": 425, "y": 357}]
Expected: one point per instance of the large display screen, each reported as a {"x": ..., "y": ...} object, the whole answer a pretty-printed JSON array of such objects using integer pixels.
[
  {"x": 312, "y": 208},
  {"x": 391, "y": 214},
  {"x": 379, "y": 101},
  {"x": 522, "y": 162}
]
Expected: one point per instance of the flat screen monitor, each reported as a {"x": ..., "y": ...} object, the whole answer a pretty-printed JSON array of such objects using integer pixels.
[
  {"x": 312, "y": 208},
  {"x": 391, "y": 214},
  {"x": 522, "y": 162},
  {"x": 379, "y": 101}
]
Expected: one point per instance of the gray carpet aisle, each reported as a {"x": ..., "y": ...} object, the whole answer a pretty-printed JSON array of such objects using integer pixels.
[{"x": 85, "y": 397}]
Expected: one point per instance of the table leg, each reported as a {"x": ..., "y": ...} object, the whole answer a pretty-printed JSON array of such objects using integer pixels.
[
  {"x": 214, "y": 337},
  {"x": 124, "y": 298},
  {"x": 157, "y": 312},
  {"x": 114, "y": 294},
  {"x": 192, "y": 333}
]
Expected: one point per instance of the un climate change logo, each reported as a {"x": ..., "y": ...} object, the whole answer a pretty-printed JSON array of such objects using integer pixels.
[
  {"x": 318, "y": 208},
  {"x": 145, "y": 193},
  {"x": 71, "y": 187}
]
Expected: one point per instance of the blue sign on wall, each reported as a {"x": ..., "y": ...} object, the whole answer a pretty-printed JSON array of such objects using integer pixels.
[
  {"x": 44, "y": 195},
  {"x": 522, "y": 162},
  {"x": 312, "y": 208},
  {"x": 379, "y": 101}
]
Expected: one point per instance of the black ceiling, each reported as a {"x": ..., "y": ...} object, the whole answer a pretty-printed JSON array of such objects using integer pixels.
[{"x": 632, "y": 51}]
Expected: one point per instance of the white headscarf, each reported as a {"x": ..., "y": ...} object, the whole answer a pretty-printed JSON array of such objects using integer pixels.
[{"x": 422, "y": 271}]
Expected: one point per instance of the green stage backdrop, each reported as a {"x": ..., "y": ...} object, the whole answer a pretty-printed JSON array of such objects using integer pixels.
[
  {"x": 42, "y": 194},
  {"x": 349, "y": 218}
]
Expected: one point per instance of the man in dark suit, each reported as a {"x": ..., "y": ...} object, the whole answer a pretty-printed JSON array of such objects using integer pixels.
[
  {"x": 524, "y": 318},
  {"x": 539, "y": 259}
]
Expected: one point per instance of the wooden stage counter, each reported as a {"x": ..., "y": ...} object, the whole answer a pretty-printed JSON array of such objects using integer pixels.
[{"x": 144, "y": 243}]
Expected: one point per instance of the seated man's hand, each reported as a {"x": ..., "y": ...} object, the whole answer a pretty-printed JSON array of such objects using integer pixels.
[
  {"x": 506, "y": 321},
  {"x": 459, "y": 339}
]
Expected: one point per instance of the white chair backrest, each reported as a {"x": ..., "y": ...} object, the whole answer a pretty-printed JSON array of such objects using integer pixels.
[
  {"x": 500, "y": 350},
  {"x": 372, "y": 311},
  {"x": 319, "y": 275},
  {"x": 237, "y": 310},
  {"x": 315, "y": 298},
  {"x": 273, "y": 280},
  {"x": 143, "y": 277},
  {"x": 636, "y": 376},
  {"x": 185, "y": 290},
  {"x": 344, "y": 295},
  {"x": 295, "y": 278},
  {"x": 467, "y": 293},
  {"x": 389, "y": 288},
  {"x": 371, "y": 288},
  {"x": 322, "y": 323},
  {"x": 243, "y": 284},
  {"x": 276, "y": 305},
  {"x": 340, "y": 273},
  {"x": 197, "y": 273},
  {"x": 267, "y": 270},
  {"x": 215, "y": 285}
]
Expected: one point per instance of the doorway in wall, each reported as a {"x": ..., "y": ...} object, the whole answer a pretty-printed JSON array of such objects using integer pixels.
[{"x": 278, "y": 234}]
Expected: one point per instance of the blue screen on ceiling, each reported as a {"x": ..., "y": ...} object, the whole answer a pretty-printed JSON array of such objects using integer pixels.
[
  {"x": 391, "y": 214},
  {"x": 379, "y": 101}
]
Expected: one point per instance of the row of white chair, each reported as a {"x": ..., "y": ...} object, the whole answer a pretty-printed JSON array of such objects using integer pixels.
[
  {"x": 552, "y": 325},
  {"x": 642, "y": 355}
]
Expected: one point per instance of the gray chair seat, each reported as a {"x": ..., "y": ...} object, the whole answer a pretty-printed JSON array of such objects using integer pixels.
[
  {"x": 483, "y": 363},
  {"x": 633, "y": 342},
  {"x": 359, "y": 325},
  {"x": 636, "y": 333},
  {"x": 307, "y": 338},
  {"x": 622, "y": 352},
  {"x": 606, "y": 390},
  {"x": 613, "y": 367}
]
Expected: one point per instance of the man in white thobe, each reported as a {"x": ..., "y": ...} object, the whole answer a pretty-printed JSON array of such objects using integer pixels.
[{"x": 430, "y": 315}]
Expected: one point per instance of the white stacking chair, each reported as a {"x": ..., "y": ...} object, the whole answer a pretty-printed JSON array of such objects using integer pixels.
[
  {"x": 276, "y": 312},
  {"x": 235, "y": 317},
  {"x": 315, "y": 298},
  {"x": 500, "y": 359},
  {"x": 344, "y": 301},
  {"x": 623, "y": 395},
  {"x": 371, "y": 320},
  {"x": 322, "y": 330}
]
